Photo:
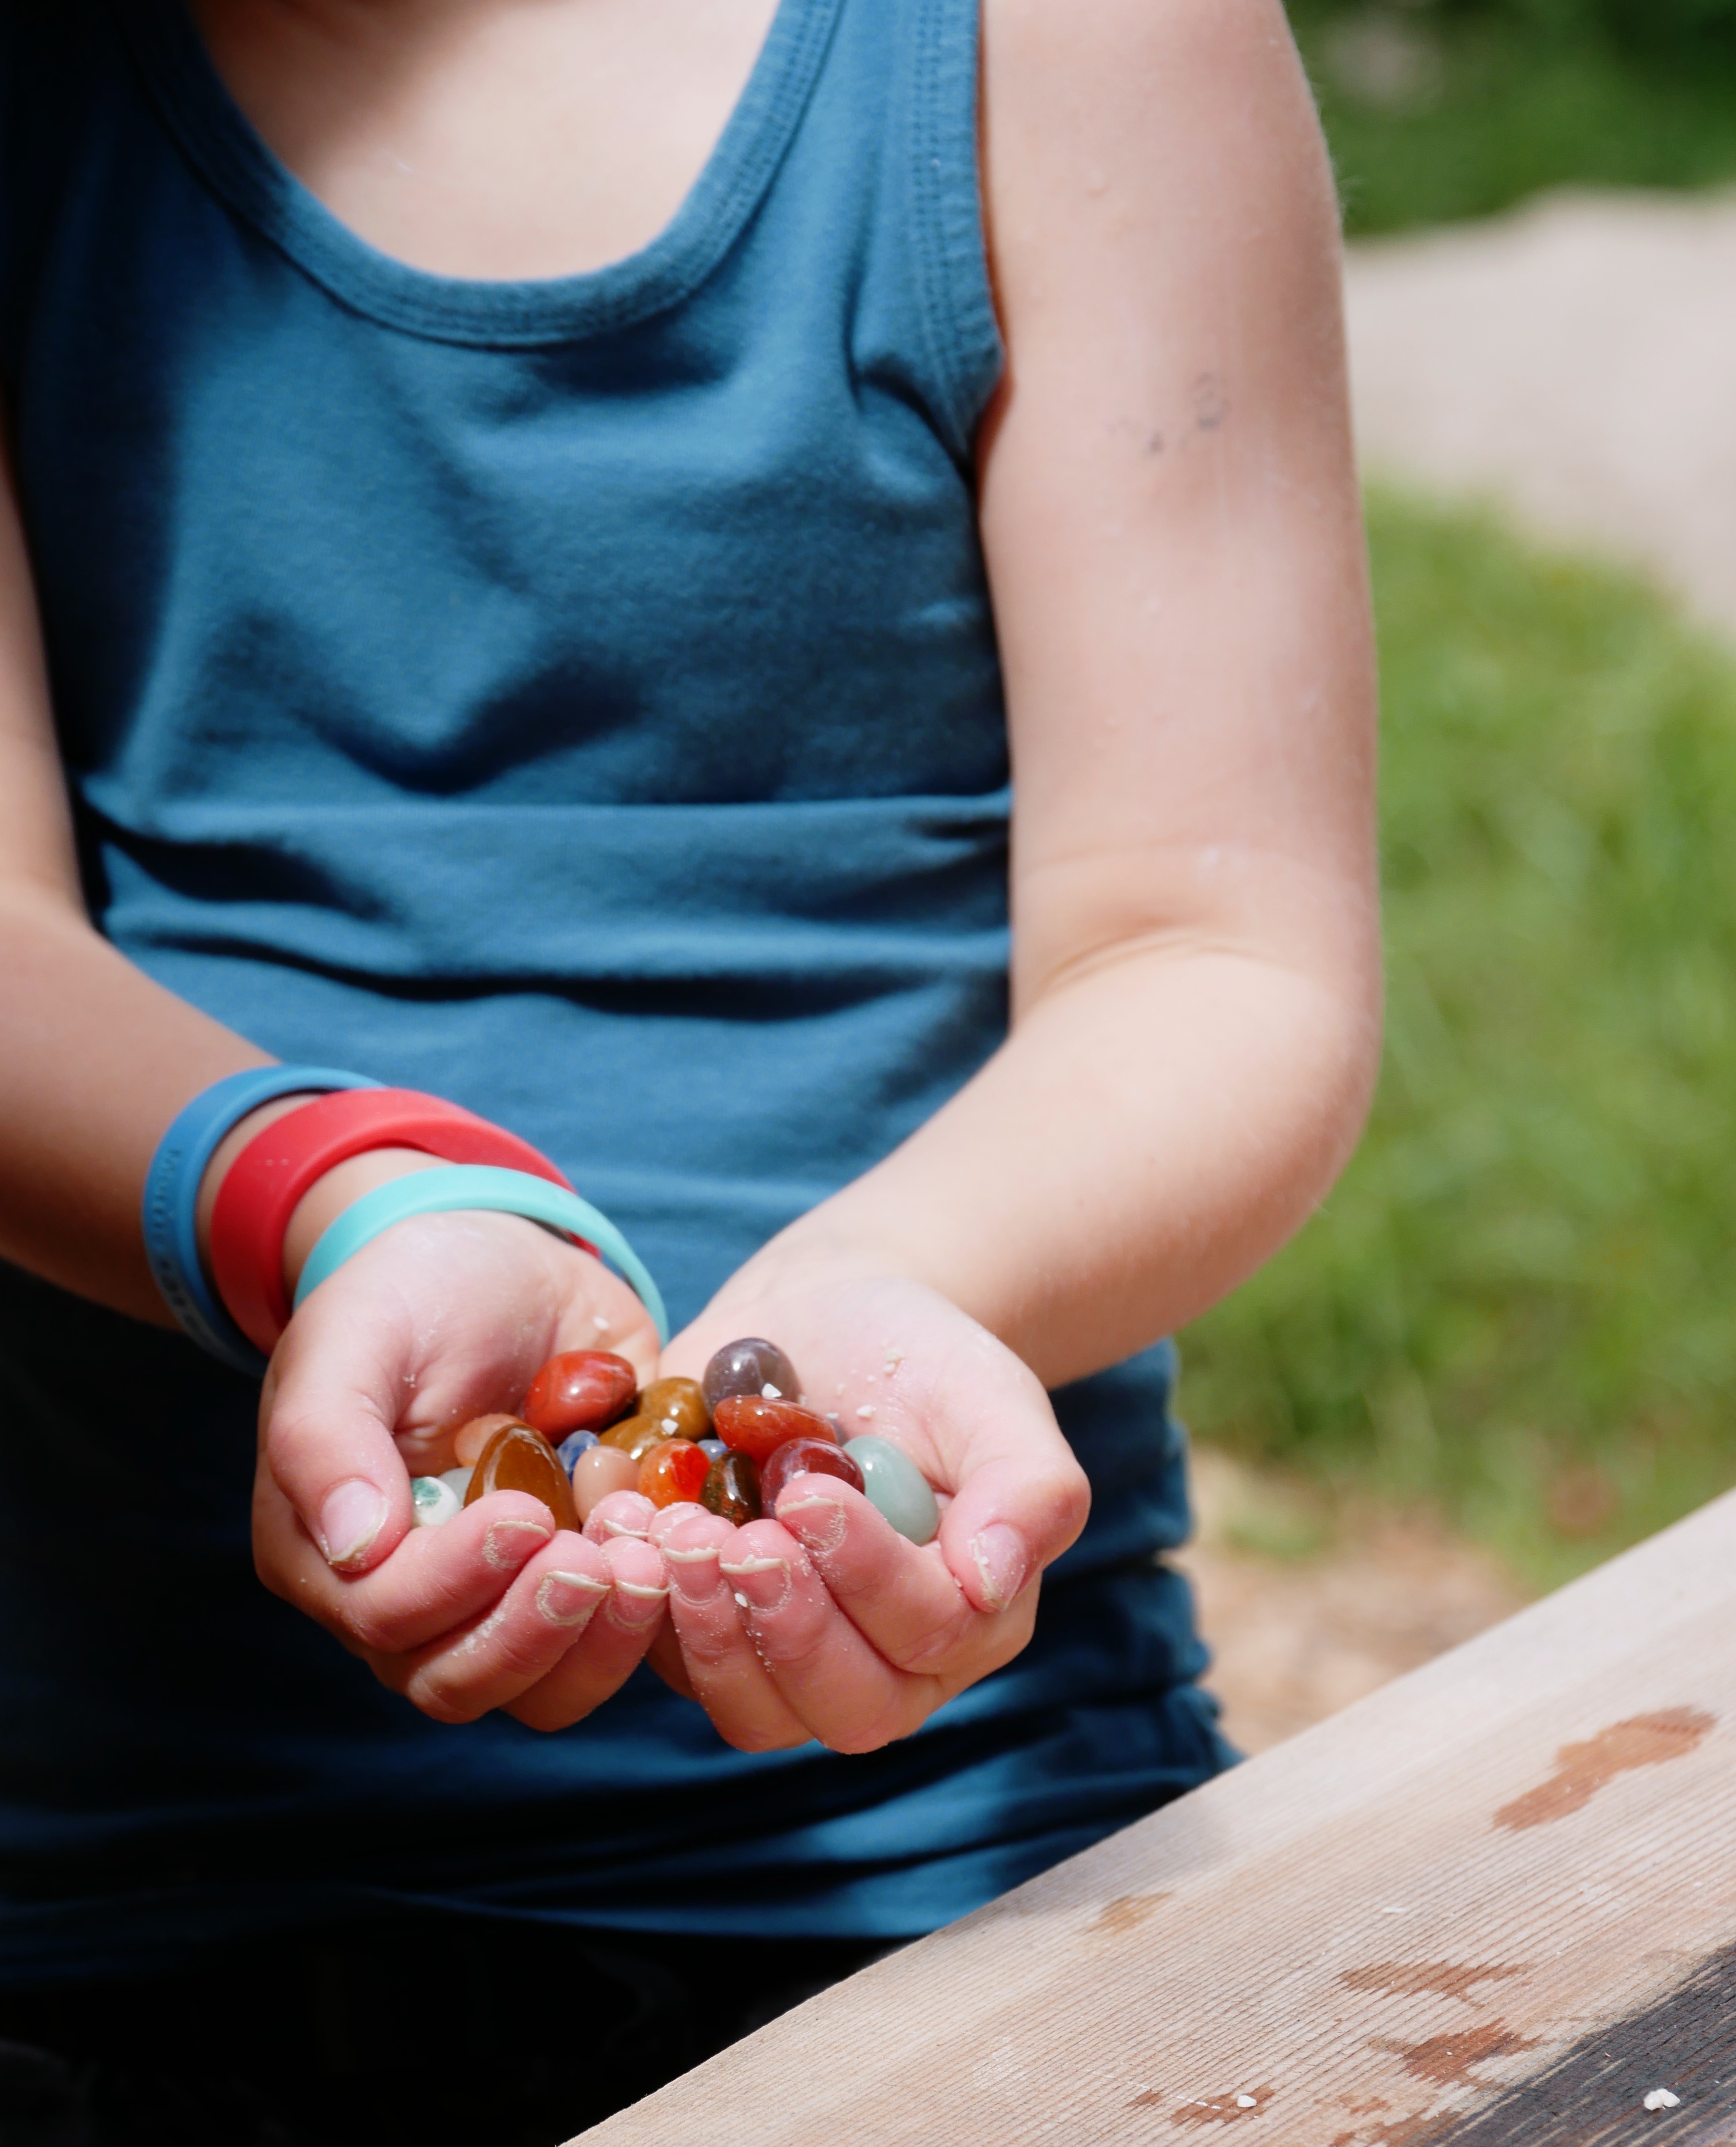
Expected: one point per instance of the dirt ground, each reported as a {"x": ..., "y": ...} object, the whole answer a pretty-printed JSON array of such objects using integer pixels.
[
  {"x": 1298, "y": 1634},
  {"x": 1572, "y": 359}
]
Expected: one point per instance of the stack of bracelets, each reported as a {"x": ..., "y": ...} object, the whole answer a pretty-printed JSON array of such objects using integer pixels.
[{"x": 730, "y": 1441}]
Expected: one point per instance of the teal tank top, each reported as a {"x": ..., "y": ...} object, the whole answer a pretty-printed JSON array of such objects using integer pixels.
[{"x": 580, "y": 699}]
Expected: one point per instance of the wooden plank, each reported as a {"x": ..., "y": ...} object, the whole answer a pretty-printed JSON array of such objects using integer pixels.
[{"x": 1488, "y": 1904}]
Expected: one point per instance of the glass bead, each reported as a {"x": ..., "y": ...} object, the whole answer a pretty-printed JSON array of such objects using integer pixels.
[
  {"x": 518, "y": 1458},
  {"x": 673, "y": 1473},
  {"x": 435, "y": 1502},
  {"x": 471, "y": 1438},
  {"x": 596, "y": 1474},
  {"x": 635, "y": 1435},
  {"x": 897, "y": 1488},
  {"x": 457, "y": 1480},
  {"x": 759, "y": 1428},
  {"x": 579, "y": 1390},
  {"x": 679, "y": 1405},
  {"x": 732, "y": 1490},
  {"x": 571, "y": 1446},
  {"x": 750, "y": 1367},
  {"x": 713, "y": 1449},
  {"x": 820, "y": 1456}
]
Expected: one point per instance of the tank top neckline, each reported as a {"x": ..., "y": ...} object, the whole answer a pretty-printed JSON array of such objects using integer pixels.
[{"x": 226, "y": 148}]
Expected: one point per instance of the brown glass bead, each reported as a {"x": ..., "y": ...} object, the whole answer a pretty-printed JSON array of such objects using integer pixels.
[
  {"x": 518, "y": 1458},
  {"x": 759, "y": 1428},
  {"x": 673, "y": 1473},
  {"x": 636, "y": 1436},
  {"x": 474, "y": 1436},
  {"x": 579, "y": 1390},
  {"x": 679, "y": 1405},
  {"x": 597, "y": 1472},
  {"x": 818, "y": 1456},
  {"x": 749, "y": 1367},
  {"x": 732, "y": 1490}
]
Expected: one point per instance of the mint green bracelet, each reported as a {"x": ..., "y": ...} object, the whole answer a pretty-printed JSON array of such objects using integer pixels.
[{"x": 460, "y": 1185}]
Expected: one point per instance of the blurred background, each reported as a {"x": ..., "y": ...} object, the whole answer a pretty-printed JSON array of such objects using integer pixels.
[{"x": 1508, "y": 1347}]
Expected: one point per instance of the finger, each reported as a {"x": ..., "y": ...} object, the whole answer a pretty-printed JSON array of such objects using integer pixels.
[
  {"x": 514, "y": 1644},
  {"x": 664, "y": 1655},
  {"x": 436, "y": 1579},
  {"x": 905, "y": 1601},
  {"x": 621, "y": 1513},
  {"x": 327, "y": 1419},
  {"x": 844, "y": 1689},
  {"x": 611, "y": 1647},
  {"x": 727, "y": 1678}
]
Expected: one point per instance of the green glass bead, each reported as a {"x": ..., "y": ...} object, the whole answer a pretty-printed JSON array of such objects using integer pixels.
[{"x": 896, "y": 1487}]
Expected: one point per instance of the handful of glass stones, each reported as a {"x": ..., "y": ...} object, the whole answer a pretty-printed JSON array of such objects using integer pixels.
[{"x": 729, "y": 1442}]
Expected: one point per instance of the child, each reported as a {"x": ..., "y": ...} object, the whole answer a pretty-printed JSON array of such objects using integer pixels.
[{"x": 546, "y": 536}]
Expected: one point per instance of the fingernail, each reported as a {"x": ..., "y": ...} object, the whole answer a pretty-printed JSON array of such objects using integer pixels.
[
  {"x": 634, "y": 1605},
  {"x": 1002, "y": 1562},
  {"x": 508, "y": 1543},
  {"x": 569, "y": 1598},
  {"x": 764, "y": 1581},
  {"x": 622, "y": 1528},
  {"x": 351, "y": 1518},
  {"x": 694, "y": 1573},
  {"x": 818, "y": 1524}
]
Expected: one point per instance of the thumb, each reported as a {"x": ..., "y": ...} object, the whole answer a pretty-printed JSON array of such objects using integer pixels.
[{"x": 327, "y": 1412}]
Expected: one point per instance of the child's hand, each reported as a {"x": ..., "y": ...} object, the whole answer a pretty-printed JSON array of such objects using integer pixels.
[
  {"x": 442, "y": 1318},
  {"x": 825, "y": 1622}
]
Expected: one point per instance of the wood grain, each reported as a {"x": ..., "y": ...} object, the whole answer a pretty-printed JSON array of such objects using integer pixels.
[{"x": 1399, "y": 1927}]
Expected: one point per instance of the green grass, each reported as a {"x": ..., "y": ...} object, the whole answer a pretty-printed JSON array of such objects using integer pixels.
[
  {"x": 1432, "y": 118},
  {"x": 1520, "y": 1302}
]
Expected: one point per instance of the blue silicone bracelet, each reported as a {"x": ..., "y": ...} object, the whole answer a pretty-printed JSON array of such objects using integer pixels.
[
  {"x": 461, "y": 1185},
  {"x": 172, "y": 1196}
]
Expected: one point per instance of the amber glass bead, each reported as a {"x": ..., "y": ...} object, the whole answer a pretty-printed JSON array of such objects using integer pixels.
[
  {"x": 819, "y": 1457},
  {"x": 732, "y": 1490},
  {"x": 759, "y": 1428},
  {"x": 673, "y": 1473},
  {"x": 579, "y": 1390},
  {"x": 595, "y": 1474},
  {"x": 518, "y": 1458},
  {"x": 472, "y": 1437},
  {"x": 678, "y": 1406},
  {"x": 749, "y": 1367},
  {"x": 636, "y": 1436}
]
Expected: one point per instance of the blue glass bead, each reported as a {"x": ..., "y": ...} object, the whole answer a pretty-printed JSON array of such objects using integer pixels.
[
  {"x": 896, "y": 1487},
  {"x": 571, "y": 1447},
  {"x": 434, "y": 1499},
  {"x": 713, "y": 1449}
]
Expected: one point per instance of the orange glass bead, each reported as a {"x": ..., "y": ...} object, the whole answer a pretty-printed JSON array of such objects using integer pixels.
[
  {"x": 595, "y": 1474},
  {"x": 673, "y": 1473},
  {"x": 472, "y": 1437},
  {"x": 677, "y": 1404},
  {"x": 579, "y": 1390},
  {"x": 752, "y": 1425},
  {"x": 636, "y": 1436},
  {"x": 518, "y": 1458}
]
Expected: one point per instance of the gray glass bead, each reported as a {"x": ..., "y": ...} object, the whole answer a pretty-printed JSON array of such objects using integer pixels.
[
  {"x": 435, "y": 1500},
  {"x": 457, "y": 1480},
  {"x": 896, "y": 1487},
  {"x": 713, "y": 1449}
]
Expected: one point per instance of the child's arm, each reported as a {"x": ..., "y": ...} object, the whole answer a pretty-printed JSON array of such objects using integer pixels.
[
  {"x": 95, "y": 1060},
  {"x": 1170, "y": 516}
]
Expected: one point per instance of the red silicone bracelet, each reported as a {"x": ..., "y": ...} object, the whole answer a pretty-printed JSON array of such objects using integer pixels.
[{"x": 277, "y": 1166}]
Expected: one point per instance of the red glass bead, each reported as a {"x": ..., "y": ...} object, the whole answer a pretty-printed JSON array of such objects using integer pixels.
[
  {"x": 752, "y": 1425},
  {"x": 673, "y": 1473},
  {"x": 579, "y": 1390},
  {"x": 518, "y": 1458},
  {"x": 818, "y": 1456}
]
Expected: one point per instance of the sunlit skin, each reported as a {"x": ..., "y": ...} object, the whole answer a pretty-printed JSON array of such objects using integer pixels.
[{"x": 1169, "y": 513}]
